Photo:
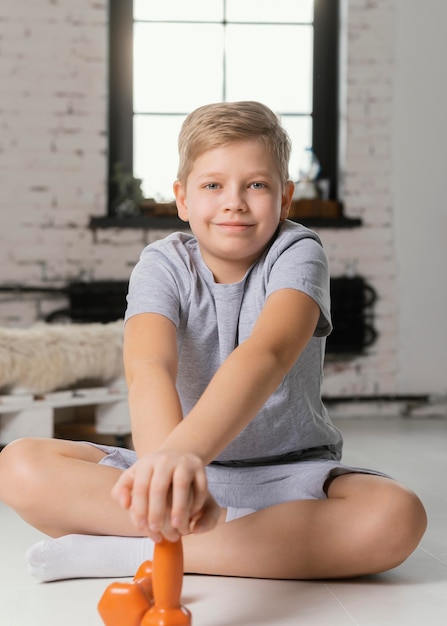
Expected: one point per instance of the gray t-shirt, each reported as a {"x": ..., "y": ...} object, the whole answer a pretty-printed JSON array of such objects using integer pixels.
[{"x": 172, "y": 279}]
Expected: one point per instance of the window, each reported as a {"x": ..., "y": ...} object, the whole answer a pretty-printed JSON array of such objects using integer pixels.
[{"x": 167, "y": 58}]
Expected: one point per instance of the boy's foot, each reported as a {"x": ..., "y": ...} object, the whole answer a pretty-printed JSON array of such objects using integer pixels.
[{"x": 87, "y": 556}]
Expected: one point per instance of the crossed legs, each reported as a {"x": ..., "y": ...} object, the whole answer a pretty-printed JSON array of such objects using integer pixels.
[{"x": 367, "y": 524}]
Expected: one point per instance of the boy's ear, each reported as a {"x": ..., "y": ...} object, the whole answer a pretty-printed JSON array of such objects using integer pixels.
[
  {"x": 180, "y": 198},
  {"x": 286, "y": 199}
]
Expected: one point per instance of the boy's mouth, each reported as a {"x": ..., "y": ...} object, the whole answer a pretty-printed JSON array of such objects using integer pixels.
[{"x": 235, "y": 225}]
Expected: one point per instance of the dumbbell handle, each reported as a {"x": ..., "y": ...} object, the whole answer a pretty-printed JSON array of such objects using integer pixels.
[
  {"x": 167, "y": 579},
  {"x": 167, "y": 574}
]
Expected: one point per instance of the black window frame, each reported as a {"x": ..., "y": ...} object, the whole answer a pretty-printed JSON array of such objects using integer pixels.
[{"x": 325, "y": 108}]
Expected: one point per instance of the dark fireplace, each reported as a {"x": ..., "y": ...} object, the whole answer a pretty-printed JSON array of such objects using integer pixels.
[
  {"x": 96, "y": 301},
  {"x": 352, "y": 303}
]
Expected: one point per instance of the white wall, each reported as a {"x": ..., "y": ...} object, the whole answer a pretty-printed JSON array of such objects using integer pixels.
[{"x": 420, "y": 194}]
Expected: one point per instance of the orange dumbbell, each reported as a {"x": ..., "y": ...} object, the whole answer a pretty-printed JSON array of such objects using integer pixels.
[
  {"x": 124, "y": 604},
  {"x": 153, "y": 597}
]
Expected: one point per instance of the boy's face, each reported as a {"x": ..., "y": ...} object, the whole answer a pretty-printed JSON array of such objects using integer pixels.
[{"x": 233, "y": 200}]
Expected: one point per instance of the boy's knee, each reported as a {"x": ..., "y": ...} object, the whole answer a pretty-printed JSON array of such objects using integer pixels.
[
  {"x": 400, "y": 523},
  {"x": 412, "y": 520},
  {"x": 388, "y": 521},
  {"x": 18, "y": 471}
]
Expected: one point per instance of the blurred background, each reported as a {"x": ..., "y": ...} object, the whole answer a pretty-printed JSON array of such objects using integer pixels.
[{"x": 92, "y": 94}]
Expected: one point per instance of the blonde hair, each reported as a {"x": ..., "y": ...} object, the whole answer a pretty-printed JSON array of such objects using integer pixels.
[{"x": 215, "y": 125}]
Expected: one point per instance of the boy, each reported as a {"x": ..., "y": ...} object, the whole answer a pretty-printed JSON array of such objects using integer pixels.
[{"x": 223, "y": 350}]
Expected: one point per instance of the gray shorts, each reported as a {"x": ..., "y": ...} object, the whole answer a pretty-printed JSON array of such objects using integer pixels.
[{"x": 243, "y": 490}]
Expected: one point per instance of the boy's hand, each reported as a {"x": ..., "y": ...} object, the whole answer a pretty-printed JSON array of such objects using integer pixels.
[{"x": 167, "y": 496}]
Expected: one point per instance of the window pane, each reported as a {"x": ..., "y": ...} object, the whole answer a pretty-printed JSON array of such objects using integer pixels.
[
  {"x": 181, "y": 81},
  {"x": 275, "y": 68},
  {"x": 189, "y": 10},
  {"x": 300, "y": 133},
  {"x": 155, "y": 153},
  {"x": 155, "y": 150},
  {"x": 269, "y": 11}
]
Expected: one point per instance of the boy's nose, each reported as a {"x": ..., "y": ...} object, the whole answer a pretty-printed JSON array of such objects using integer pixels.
[{"x": 235, "y": 201}]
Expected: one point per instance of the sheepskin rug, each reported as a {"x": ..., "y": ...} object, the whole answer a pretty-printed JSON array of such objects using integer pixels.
[{"x": 49, "y": 357}]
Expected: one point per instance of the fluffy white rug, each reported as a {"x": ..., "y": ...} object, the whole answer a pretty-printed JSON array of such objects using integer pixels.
[{"x": 46, "y": 357}]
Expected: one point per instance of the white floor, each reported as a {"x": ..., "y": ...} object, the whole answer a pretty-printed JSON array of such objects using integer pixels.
[{"x": 413, "y": 450}]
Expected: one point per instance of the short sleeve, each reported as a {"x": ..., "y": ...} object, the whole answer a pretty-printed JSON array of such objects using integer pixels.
[
  {"x": 303, "y": 265},
  {"x": 154, "y": 286}
]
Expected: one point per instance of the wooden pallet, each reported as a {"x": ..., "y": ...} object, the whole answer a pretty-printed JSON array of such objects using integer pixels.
[{"x": 27, "y": 415}]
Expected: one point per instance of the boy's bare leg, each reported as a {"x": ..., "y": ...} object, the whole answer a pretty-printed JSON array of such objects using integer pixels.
[
  {"x": 368, "y": 524},
  {"x": 58, "y": 487}
]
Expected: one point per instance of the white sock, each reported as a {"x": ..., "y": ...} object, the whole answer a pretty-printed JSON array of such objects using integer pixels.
[{"x": 88, "y": 556}]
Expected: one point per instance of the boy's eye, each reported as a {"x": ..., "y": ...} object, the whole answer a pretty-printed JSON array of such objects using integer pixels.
[
  {"x": 258, "y": 185},
  {"x": 211, "y": 186}
]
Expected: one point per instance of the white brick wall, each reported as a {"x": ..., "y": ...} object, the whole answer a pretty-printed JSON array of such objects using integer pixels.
[
  {"x": 53, "y": 104},
  {"x": 53, "y": 95},
  {"x": 369, "y": 250}
]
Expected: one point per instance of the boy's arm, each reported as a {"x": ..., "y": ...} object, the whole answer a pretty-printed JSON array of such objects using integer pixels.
[
  {"x": 150, "y": 362},
  {"x": 150, "y": 359},
  {"x": 248, "y": 376}
]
